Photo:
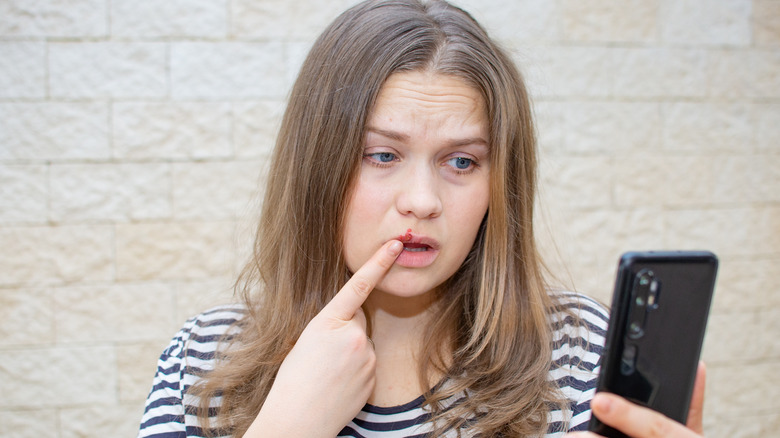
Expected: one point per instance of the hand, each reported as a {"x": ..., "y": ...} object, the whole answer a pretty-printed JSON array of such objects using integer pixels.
[
  {"x": 329, "y": 374},
  {"x": 640, "y": 422}
]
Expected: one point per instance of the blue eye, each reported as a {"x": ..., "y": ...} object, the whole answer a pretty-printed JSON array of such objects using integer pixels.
[
  {"x": 384, "y": 157},
  {"x": 461, "y": 163},
  {"x": 381, "y": 157}
]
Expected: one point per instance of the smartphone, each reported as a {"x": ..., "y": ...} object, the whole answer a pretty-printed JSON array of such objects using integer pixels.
[{"x": 656, "y": 329}]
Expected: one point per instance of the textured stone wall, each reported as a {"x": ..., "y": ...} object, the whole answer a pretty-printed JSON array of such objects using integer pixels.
[{"x": 133, "y": 135}]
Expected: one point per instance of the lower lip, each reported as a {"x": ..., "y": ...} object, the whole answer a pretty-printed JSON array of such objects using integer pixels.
[{"x": 416, "y": 259}]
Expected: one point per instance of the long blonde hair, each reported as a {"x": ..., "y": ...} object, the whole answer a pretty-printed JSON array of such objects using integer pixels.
[{"x": 494, "y": 310}]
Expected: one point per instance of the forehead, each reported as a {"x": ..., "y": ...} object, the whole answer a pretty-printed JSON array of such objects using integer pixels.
[
  {"x": 425, "y": 100},
  {"x": 430, "y": 89}
]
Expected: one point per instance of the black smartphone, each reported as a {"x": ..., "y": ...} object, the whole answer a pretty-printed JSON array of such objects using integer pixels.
[{"x": 656, "y": 329}]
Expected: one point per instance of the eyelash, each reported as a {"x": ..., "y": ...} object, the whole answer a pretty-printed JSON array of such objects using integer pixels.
[
  {"x": 378, "y": 163},
  {"x": 474, "y": 165}
]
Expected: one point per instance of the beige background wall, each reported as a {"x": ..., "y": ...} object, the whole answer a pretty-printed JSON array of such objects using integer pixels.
[{"x": 133, "y": 134}]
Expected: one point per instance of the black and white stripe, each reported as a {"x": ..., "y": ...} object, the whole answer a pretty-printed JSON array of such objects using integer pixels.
[
  {"x": 170, "y": 411},
  {"x": 579, "y": 333},
  {"x": 577, "y": 346}
]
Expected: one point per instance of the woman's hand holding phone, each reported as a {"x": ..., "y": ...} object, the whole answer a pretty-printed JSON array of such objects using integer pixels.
[
  {"x": 640, "y": 422},
  {"x": 330, "y": 372}
]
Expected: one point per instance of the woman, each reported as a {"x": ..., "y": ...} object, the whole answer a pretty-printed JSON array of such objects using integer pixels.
[{"x": 395, "y": 288}]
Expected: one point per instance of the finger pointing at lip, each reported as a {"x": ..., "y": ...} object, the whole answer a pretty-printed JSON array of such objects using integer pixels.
[
  {"x": 354, "y": 293},
  {"x": 330, "y": 364}
]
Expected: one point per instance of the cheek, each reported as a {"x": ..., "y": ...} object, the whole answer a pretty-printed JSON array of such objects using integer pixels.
[
  {"x": 469, "y": 208},
  {"x": 361, "y": 222},
  {"x": 470, "y": 216},
  {"x": 352, "y": 232},
  {"x": 470, "y": 227},
  {"x": 353, "y": 254},
  {"x": 369, "y": 200}
]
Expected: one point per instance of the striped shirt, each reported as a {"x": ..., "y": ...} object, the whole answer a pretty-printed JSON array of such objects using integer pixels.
[{"x": 170, "y": 411}]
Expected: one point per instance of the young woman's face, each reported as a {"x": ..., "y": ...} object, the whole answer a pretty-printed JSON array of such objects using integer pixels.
[{"x": 424, "y": 179}]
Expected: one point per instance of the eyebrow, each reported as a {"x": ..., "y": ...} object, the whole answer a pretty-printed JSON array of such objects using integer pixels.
[
  {"x": 392, "y": 135},
  {"x": 399, "y": 136}
]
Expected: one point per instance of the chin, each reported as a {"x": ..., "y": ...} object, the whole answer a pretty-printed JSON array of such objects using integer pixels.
[
  {"x": 405, "y": 286},
  {"x": 402, "y": 293}
]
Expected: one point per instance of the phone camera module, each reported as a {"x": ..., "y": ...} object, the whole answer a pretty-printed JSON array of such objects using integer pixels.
[{"x": 644, "y": 299}]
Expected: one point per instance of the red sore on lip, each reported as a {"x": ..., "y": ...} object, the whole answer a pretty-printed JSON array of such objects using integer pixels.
[{"x": 406, "y": 237}]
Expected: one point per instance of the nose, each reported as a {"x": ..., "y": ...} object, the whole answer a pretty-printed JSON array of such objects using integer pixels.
[{"x": 419, "y": 194}]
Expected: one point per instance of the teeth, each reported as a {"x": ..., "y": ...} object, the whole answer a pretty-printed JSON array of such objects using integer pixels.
[{"x": 415, "y": 249}]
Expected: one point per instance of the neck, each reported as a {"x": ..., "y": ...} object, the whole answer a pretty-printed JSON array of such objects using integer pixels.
[
  {"x": 398, "y": 328},
  {"x": 399, "y": 319}
]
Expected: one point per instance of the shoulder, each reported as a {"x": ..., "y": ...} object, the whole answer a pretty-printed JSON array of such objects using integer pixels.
[
  {"x": 191, "y": 352},
  {"x": 579, "y": 326},
  {"x": 577, "y": 316},
  {"x": 213, "y": 322},
  {"x": 193, "y": 348},
  {"x": 566, "y": 302},
  {"x": 201, "y": 336}
]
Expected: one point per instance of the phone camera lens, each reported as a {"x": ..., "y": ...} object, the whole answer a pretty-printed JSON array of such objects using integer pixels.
[
  {"x": 645, "y": 278},
  {"x": 635, "y": 330}
]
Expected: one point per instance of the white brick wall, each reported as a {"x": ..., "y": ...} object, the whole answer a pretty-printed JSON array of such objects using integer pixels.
[{"x": 133, "y": 135}]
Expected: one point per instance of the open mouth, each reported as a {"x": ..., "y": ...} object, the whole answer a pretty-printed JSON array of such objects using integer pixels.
[
  {"x": 419, "y": 251},
  {"x": 416, "y": 247}
]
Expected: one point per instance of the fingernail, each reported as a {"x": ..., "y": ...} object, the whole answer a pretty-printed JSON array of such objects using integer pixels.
[{"x": 395, "y": 248}]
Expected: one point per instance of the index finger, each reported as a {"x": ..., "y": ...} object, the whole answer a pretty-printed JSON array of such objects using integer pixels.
[{"x": 354, "y": 293}]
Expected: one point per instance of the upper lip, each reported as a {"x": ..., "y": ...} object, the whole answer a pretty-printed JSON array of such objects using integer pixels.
[{"x": 422, "y": 240}]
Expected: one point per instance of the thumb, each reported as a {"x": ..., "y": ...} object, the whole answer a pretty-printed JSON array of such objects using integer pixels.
[
  {"x": 354, "y": 293},
  {"x": 696, "y": 412}
]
